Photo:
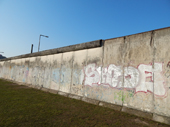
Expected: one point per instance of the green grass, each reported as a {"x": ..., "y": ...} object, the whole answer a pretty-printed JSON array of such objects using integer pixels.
[{"x": 21, "y": 106}]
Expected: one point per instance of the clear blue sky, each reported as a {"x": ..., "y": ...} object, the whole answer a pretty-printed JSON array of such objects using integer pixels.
[{"x": 69, "y": 22}]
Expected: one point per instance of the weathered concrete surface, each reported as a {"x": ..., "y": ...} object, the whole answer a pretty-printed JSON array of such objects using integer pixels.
[
  {"x": 26, "y": 71},
  {"x": 112, "y": 106},
  {"x": 48, "y": 71},
  {"x": 82, "y": 46},
  {"x": 79, "y": 63},
  {"x": 92, "y": 74},
  {"x": 137, "y": 112},
  {"x": 34, "y": 71},
  {"x": 63, "y": 94},
  {"x": 138, "y": 83},
  {"x": 112, "y": 71},
  {"x": 45, "y": 89},
  {"x": 35, "y": 87},
  {"x": 30, "y": 72},
  {"x": 6, "y": 69},
  {"x": 162, "y": 119},
  {"x": 53, "y": 91},
  {"x": 56, "y": 71},
  {"x": 161, "y": 42},
  {"x": 66, "y": 72},
  {"x": 129, "y": 72},
  {"x": 41, "y": 65},
  {"x": 88, "y": 100},
  {"x": 88, "y": 45},
  {"x": 1, "y": 69},
  {"x": 74, "y": 97}
]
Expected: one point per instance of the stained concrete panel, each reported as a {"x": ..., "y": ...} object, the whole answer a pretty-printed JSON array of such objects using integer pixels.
[
  {"x": 92, "y": 72},
  {"x": 66, "y": 72},
  {"x": 161, "y": 40},
  {"x": 9, "y": 69},
  {"x": 113, "y": 51},
  {"x": 56, "y": 71},
  {"x": 33, "y": 71},
  {"x": 41, "y": 70},
  {"x": 38, "y": 71},
  {"x": 12, "y": 75},
  {"x": 6, "y": 69},
  {"x": 30, "y": 64},
  {"x": 26, "y": 78},
  {"x": 112, "y": 71},
  {"x": 138, "y": 72},
  {"x": 1, "y": 69},
  {"x": 18, "y": 69},
  {"x": 79, "y": 63},
  {"x": 22, "y": 71},
  {"x": 44, "y": 70},
  {"x": 13, "y": 70},
  {"x": 48, "y": 68}
]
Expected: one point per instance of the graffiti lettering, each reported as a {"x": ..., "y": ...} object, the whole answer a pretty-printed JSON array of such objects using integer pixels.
[
  {"x": 140, "y": 79},
  {"x": 144, "y": 78}
]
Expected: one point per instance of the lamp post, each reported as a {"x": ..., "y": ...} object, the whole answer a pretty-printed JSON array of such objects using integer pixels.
[
  {"x": 40, "y": 39},
  {"x": 31, "y": 48}
]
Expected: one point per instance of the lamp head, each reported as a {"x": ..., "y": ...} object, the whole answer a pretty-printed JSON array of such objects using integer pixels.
[{"x": 44, "y": 36}]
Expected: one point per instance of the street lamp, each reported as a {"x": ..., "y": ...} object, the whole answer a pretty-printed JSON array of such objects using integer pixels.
[{"x": 39, "y": 40}]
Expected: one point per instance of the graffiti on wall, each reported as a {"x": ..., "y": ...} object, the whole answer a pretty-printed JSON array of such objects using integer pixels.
[
  {"x": 56, "y": 75},
  {"x": 167, "y": 73},
  {"x": 65, "y": 75},
  {"x": 144, "y": 78},
  {"x": 140, "y": 78}
]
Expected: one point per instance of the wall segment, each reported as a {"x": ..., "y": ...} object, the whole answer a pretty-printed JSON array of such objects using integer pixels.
[{"x": 131, "y": 71}]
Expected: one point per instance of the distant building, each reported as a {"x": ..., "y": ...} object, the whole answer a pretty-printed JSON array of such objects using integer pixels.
[{"x": 2, "y": 57}]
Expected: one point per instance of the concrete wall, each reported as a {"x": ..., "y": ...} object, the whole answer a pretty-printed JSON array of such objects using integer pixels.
[{"x": 131, "y": 72}]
